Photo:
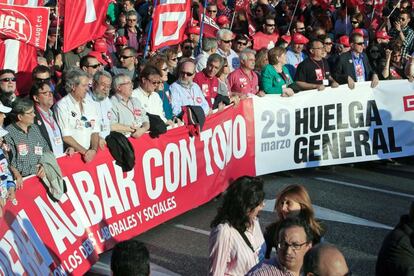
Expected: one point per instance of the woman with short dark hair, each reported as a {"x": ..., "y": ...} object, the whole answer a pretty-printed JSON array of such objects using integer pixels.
[{"x": 236, "y": 241}]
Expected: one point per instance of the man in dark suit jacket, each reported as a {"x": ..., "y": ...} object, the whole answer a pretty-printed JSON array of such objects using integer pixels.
[{"x": 353, "y": 66}]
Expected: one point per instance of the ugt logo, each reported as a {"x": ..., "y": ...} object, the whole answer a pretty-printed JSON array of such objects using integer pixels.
[
  {"x": 408, "y": 103},
  {"x": 15, "y": 24}
]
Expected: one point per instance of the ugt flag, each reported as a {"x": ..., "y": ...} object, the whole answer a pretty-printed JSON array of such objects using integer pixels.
[
  {"x": 169, "y": 22},
  {"x": 26, "y": 24},
  {"x": 84, "y": 21}
]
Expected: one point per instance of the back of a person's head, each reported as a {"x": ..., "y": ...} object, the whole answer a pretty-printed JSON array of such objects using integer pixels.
[
  {"x": 324, "y": 259},
  {"x": 130, "y": 258}
]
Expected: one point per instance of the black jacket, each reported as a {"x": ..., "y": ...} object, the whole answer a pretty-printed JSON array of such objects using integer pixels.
[
  {"x": 345, "y": 67},
  {"x": 121, "y": 150},
  {"x": 396, "y": 256}
]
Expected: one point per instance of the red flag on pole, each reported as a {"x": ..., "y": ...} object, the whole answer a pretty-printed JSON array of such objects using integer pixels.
[
  {"x": 26, "y": 24},
  {"x": 84, "y": 21},
  {"x": 21, "y": 58},
  {"x": 169, "y": 22}
]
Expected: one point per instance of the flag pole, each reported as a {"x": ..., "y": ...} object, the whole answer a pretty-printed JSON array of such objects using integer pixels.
[
  {"x": 293, "y": 15},
  {"x": 149, "y": 30},
  {"x": 57, "y": 24},
  {"x": 200, "y": 40}
]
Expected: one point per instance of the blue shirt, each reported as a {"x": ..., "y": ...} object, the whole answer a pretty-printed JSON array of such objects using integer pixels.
[
  {"x": 358, "y": 65},
  {"x": 182, "y": 96}
]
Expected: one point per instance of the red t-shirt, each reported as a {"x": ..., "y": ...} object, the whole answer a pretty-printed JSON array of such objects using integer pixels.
[
  {"x": 262, "y": 40},
  {"x": 239, "y": 82},
  {"x": 208, "y": 85}
]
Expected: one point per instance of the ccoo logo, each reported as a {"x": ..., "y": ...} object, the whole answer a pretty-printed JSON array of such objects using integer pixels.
[{"x": 15, "y": 24}]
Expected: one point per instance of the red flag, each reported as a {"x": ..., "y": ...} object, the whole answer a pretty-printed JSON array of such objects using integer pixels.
[
  {"x": 210, "y": 27},
  {"x": 84, "y": 21},
  {"x": 249, "y": 17},
  {"x": 169, "y": 22},
  {"x": 26, "y": 24},
  {"x": 379, "y": 4},
  {"x": 28, "y": 3},
  {"x": 21, "y": 58},
  {"x": 241, "y": 5}
]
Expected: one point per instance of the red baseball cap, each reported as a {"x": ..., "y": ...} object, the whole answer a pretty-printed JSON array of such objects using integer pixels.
[
  {"x": 193, "y": 30},
  {"x": 382, "y": 34},
  {"x": 344, "y": 40},
  {"x": 121, "y": 41},
  {"x": 299, "y": 39},
  {"x": 98, "y": 56},
  {"x": 286, "y": 38},
  {"x": 100, "y": 45},
  {"x": 222, "y": 19},
  {"x": 358, "y": 31}
]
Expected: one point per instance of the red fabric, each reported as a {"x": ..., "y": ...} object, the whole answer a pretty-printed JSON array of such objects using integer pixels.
[
  {"x": 23, "y": 63},
  {"x": 31, "y": 25},
  {"x": 169, "y": 22},
  {"x": 104, "y": 206},
  {"x": 262, "y": 40},
  {"x": 209, "y": 86},
  {"x": 210, "y": 27},
  {"x": 84, "y": 21},
  {"x": 21, "y": 2},
  {"x": 239, "y": 82}
]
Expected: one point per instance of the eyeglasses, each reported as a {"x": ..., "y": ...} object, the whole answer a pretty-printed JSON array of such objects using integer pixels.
[
  {"x": 87, "y": 124},
  {"x": 226, "y": 41},
  {"x": 328, "y": 43},
  {"x": 94, "y": 66},
  {"x": 125, "y": 57},
  {"x": 8, "y": 80},
  {"x": 211, "y": 11},
  {"x": 47, "y": 93},
  {"x": 270, "y": 25},
  {"x": 188, "y": 74},
  {"x": 39, "y": 80},
  {"x": 359, "y": 43},
  {"x": 295, "y": 246},
  {"x": 188, "y": 48},
  {"x": 242, "y": 43},
  {"x": 154, "y": 82}
]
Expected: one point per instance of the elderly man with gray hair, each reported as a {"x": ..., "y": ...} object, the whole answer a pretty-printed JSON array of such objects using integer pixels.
[
  {"x": 225, "y": 38},
  {"x": 128, "y": 115},
  {"x": 77, "y": 116},
  {"x": 209, "y": 47},
  {"x": 101, "y": 86},
  {"x": 244, "y": 81}
]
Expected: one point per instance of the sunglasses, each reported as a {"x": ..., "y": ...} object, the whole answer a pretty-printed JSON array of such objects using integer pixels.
[
  {"x": 211, "y": 11},
  {"x": 125, "y": 57},
  {"x": 359, "y": 43},
  {"x": 242, "y": 43},
  {"x": 8, "y": 79},
  {"x": 174, "y": 59},
  {"x": 270, "y": 25},
  {"x": 226, "y": 41},
  {"x": 85, "y": 120},
  {"x": 39, "y": 80},
  {"x": 154, "y": 82},
  {"x": 188, "y": 74},
  {"x": 328, "y": 43},
  {"x": 354, "y": 22},
  {"x": 94, "y": 66}
]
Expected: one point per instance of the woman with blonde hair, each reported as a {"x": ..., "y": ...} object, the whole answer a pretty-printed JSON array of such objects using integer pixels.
[{"x": 293, "y": 200}]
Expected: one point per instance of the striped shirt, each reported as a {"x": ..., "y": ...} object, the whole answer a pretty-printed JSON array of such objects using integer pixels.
[
  {"x": 270, "y": 268},
  {"x": 230, "y": 254}
]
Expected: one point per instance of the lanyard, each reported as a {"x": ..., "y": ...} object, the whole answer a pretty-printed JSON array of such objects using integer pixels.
[
  {"x": 50, "y": 122},
  {"x": 133, "y": 108},
  {"x": 322, "y": 68}
]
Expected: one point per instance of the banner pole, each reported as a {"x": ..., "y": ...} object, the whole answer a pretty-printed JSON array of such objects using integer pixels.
[
  {"x": 200, "y": 39},
  {"x": 57, "y": 24},
  {"x": 149, "y": 30},
  {"x": 293, "y": 15}
]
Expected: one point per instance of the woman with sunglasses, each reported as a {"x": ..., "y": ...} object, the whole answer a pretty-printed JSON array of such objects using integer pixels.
[{"x": 236, "y": 242}]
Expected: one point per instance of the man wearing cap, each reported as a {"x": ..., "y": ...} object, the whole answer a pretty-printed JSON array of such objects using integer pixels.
[
  {"x": 225, "y": 38},
  {"x": 382, "y": 37},
  {"x": 209, "y": 47},
  {"x": 295, "y": 54},
  {"x": 150, "y": 78},
  {"x": 314, "y": 72},
  {"x": 268, "y": 38},
  {"x": 77, "y": 116},
  {"x": 354, "y": 66},
  {"x": 7, "y": 86},
  {"x": 207, "y": 79},
  {"x": 184, "y": 91},
  {"x": 341, "y": 47},
  {"x": 244, "y": 81},
  {"x": 194, "y": 35},
  {"x": 128, "y": 115},
  {"x": 403, "y": 31}
]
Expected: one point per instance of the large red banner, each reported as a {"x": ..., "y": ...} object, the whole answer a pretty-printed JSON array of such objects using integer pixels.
[
  {"x": 103, "y": 205},
  {"x": 84, "y": 21},
  {"x": 26, "y": 24}
]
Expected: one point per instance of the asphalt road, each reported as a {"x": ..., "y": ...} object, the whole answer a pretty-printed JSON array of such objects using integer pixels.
[{"x": 357, "y": 204}]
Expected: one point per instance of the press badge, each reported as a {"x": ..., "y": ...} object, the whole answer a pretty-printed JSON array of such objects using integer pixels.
[
  {"x": 22, "y": 149},
  {"x": 58, "y": 140},
  {"x": 325, "y": 82},
  {"x": 38, "y": 150}
]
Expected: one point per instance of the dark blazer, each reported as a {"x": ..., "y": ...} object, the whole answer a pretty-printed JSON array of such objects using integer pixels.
[
  {"x": 38, "y": 120},
  {"x": 345, "y": 68}
]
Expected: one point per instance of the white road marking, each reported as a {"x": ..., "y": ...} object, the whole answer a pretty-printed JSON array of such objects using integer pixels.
[
  {"x": 332, "y": 215},
  {"x": 193, "y": 229},
  {"x": 364, "y": 187}
]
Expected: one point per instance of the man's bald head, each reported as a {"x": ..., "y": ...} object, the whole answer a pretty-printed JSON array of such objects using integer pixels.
[{"x": 325, "y": 260}]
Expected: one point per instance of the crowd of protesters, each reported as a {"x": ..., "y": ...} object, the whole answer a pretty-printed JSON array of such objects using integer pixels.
[{"x": 117, "y": 84}]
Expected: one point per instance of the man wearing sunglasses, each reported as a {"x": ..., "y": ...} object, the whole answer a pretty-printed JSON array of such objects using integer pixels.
[
  {"x": 92, "y": 63},
  {"x": 184, "y": 91},
  {"x": 325, "y": 259},
  {"x": 128, "y": 58},
  {"x": 294, "y": 240},
  {"x": 225, "y": 37},
  {"x": 269, "y": 36},
  {"x": 353, "y": 66},
  {"x": 7, "y": 87}
]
